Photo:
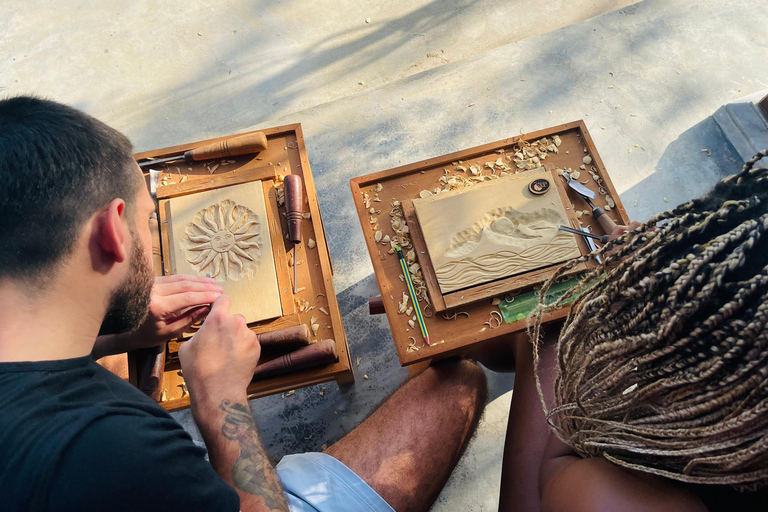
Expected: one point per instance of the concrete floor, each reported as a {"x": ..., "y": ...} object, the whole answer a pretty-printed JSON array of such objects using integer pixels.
[{"x": 420, "y": 79}]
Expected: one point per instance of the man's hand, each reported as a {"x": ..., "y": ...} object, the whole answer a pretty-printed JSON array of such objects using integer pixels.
[
  {"x": 177, "y": 302},
  {"x": 219, "y": 361}
]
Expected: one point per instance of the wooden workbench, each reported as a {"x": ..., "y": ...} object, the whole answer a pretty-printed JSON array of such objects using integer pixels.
[
  {"x": 459, "y": 328},
  {"x": 285, "y": 154}
]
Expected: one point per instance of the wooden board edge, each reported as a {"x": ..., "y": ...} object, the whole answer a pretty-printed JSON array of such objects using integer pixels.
[
  {"x": 284, "y": 285},
  {"x": 420, "y": 246},
  {"x": 324, "y": 253},
  {"x": 368, "y": 179},
  {"x": 280, "y": 384},
  {"x": 463, "y": 343},
  {"x": 217, "y": 181},
  {"x": 598, "y": 161},
  {"x": 180, "y": 148}
]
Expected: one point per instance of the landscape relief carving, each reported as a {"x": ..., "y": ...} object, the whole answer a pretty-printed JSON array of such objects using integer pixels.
[
  {"x": 224, "y": 241},
  {"x": 494, "y": 230},
  {"x": 504, "y": 242}
]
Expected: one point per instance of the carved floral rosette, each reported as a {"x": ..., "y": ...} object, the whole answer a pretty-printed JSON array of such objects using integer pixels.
[{"x": 224, "y": 241}]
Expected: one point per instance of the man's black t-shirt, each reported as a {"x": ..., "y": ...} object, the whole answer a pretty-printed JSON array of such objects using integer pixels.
[{"x": 74, "y": 436}]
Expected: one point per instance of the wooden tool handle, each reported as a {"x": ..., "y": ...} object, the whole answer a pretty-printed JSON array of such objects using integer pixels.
[
  {"x": 318, "y": 354},
  {"x": 285, "y": 340},
  {"x": 151, "y": 364},
  {"x": 604, "y": 220},
  {"x": 293, "y": 206},
  {"x": 241, "y": 145},
  {"x": 376, "y": 305}
]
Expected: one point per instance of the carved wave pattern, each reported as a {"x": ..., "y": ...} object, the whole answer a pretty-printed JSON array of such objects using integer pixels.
[{"x": 466, "y": 272}]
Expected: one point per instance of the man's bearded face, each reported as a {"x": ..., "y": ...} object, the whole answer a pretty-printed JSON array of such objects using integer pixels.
[{"x": 129, "y": 303}]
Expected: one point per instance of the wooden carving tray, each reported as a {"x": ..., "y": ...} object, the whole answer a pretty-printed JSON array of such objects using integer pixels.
[
  {"x": 285, "y": 154},
  {"x": 456, "y": 321}
]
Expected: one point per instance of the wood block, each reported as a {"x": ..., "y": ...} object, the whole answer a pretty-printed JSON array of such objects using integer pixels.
[
  {"x": 494, "y": 230},
  {"x": 224, "y": 233}
]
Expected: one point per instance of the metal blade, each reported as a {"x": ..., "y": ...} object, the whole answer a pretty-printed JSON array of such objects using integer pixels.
[
  {"x": 295, "y": 284},
  {"x": 161, "y": 160},
  {"x": 577, "y": 232},
  {"x": 578, "y": 187}
]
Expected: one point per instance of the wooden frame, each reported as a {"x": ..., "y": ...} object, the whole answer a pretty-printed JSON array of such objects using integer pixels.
[
  {"x": 445, "y": 301},
  {"x": 285, "y": 154},
  {"x": 460, "y": 332}
]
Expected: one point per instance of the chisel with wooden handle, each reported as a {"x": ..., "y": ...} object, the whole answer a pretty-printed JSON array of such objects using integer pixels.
[
  {"x": 294, "y": 199},
  {"x": 240, "y": 145},
  {"x": 318, "y": 354},
  {"x": 285, "y": 340}
]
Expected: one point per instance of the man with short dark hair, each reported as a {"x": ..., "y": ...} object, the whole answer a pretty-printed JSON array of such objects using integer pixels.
[{"x": 75, "y": 263}]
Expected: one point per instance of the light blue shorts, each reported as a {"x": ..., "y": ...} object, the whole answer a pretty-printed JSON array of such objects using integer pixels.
[{"x": 316, "y": 482}]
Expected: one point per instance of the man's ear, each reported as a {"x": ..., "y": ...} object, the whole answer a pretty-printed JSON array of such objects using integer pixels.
[{"x": 113, "y": 233}]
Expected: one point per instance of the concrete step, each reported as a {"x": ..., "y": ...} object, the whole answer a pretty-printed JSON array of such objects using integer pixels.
[{"x": 176, "y": 71}]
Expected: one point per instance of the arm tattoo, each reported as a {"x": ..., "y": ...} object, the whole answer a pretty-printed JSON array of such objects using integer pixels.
[{"x": 252, "y": 472}]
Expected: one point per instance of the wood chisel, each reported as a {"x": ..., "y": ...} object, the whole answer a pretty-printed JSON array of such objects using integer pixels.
[
  {"x": 602, "y": 239},
  {"x": 241, "y": 145},
  {"x": 293, "y": 207},
  {"x": 605, "y": 221}
]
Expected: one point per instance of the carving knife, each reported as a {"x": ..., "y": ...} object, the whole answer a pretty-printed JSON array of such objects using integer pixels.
[{"x": 605, "y": 221}]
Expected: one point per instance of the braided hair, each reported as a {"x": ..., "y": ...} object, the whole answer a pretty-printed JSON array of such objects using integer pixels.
[{"x": 663, "y": 364}]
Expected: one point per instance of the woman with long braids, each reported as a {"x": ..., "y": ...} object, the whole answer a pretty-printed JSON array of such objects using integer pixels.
[{"x": 655, "y": 389}]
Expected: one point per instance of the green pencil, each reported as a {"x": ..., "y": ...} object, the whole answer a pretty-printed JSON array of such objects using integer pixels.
[{"x": 415, "y": 300}]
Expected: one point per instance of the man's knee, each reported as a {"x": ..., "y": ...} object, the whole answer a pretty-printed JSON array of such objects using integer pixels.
[{"x": 466, "y": 381}]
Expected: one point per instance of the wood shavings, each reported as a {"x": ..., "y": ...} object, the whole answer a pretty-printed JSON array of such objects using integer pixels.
[
  {"x": 357, "y": 361},
  {"x": 377, "y": 236},
  {"x": 483, "y": 329},
  {"x": 365, "y": 376},
  {"x": 587, "y": 159},
  {"x": 610, "y": 201},
  {"x": 666, "y": 200},
  {"x": 403, "y": 304},
  {"x": 311, "y": 244},
  {"x": 289, "y": 393},
  {"x": 302, "y": 305},
  {"x": 412, "y": 347},
  {"x": 496, "y": 301},
  {"x": 575, "y": 175},
  {"x": 635, "y": 202},
  {"x": 556, "y": 140},
  {"x": 325, "y": 311},
  {"x": 212, "y": 169},
  {"x": 707, "y": 151},
  {"x": 378, "y": 188},
  {"x": 184, "y": 390},
  {"x": 455, "y": 314},
  {"x": 300, "y": 289},
  {"x": 495, "y": 317},
  {"x": 425, "y": 193},
  {"x": 409, "y": 310},
  {"x": 315, "y": 327},
  {"x": 306, "y": 215},
  {"x": 164, "y": 395},
  {"x": 412, "y": 324}
]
